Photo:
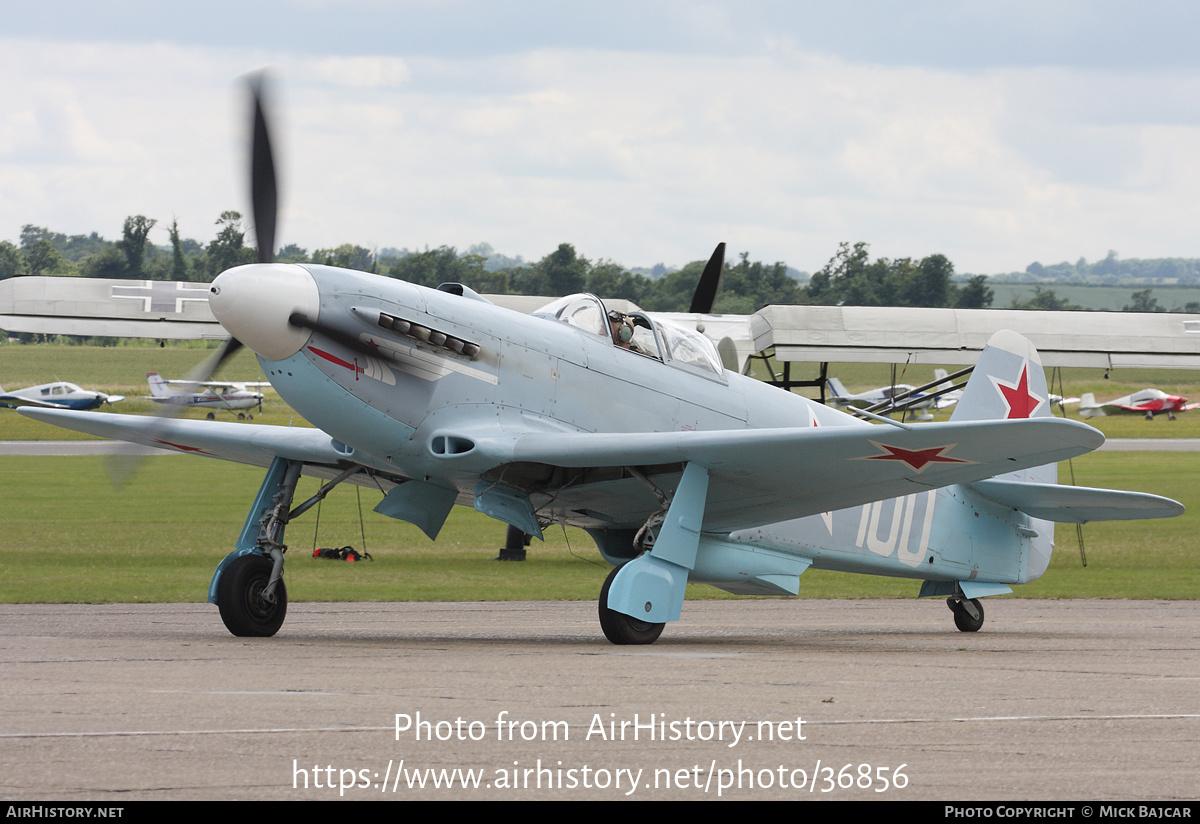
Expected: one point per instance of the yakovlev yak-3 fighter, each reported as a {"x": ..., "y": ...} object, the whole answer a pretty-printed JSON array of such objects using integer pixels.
[{"x": 624, "y": 426}]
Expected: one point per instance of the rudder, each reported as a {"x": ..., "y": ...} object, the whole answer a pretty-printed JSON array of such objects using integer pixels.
[
  {"x": 1008, "y": 382},
  {"x": 158, "y": 387}
]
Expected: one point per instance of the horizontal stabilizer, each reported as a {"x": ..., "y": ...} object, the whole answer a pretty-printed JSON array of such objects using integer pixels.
[{"x": 1077, "y": 504}]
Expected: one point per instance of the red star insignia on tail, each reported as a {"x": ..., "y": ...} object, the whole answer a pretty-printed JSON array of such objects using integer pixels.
[
  {"x": 1020, "y": 401},
  {"x": 917, "y": 459}
]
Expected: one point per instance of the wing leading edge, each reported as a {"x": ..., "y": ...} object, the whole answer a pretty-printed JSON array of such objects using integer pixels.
[{"x": 240, "y": 442}]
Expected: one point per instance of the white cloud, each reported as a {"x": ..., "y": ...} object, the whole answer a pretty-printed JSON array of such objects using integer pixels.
[
  {"x": 370, "y": 72},
  {"x": 635, "y": 155}
]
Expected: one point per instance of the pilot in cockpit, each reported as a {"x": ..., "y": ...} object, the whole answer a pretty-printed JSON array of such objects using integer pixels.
[
  {"x": 621, "y": 328},
  {"x": 624, "y": 328}
]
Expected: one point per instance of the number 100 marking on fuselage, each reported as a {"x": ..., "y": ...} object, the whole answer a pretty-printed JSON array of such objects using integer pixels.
[{"x": 899, "y": 527}]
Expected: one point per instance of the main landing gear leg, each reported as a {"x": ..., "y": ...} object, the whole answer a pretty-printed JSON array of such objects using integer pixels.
[
  {"x": 248, "y": 585},
  {"x": 642, "y": 595}
]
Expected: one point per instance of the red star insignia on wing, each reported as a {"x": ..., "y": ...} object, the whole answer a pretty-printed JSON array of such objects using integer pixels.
[
  {"x": 916, "y": 459},
  {"x": 1021, "y": 402},
  {"x": 181, "y": 447}
]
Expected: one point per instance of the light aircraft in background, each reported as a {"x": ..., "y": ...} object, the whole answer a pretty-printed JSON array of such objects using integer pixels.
[
  {"x": 940, "y": 393},
  {"x": 57, "y": 395},
  {"x": 220, "y": 395},
  {"x": 898, "y": 397},
  {"x": 1148, "y": 402},
  {"x": 680, "y": 471}
]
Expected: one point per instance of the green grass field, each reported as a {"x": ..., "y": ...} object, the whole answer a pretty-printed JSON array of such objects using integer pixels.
[
  {"x": 1096, "y": 298},
  {"x": 70, "y": 536}
]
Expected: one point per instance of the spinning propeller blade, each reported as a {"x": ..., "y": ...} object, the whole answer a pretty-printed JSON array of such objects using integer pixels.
[
  {"x": 706, "y": 289},
  {"x": 264, "y": 201},
  {"x": 264, "y": 194}
]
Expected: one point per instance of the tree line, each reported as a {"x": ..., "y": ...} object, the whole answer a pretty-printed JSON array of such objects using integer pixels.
[
  {"x": 1112, "y": 270},
  {"x": 850, "y": 277}
]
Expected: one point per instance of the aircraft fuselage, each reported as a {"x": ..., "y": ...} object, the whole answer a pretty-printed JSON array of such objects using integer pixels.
[{"x": 419, "y": 407}]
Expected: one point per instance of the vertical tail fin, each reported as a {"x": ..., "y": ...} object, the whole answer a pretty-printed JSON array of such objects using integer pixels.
[
  {"x": 1008, "y": 382},
  {"x": 836, "y": 388},
  {"x": 1088, "y": 407},
  {"x": 158, "y": 387}
]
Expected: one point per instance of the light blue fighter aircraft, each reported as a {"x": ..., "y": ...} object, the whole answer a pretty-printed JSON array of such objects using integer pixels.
[{"x": 627, "y": 427}]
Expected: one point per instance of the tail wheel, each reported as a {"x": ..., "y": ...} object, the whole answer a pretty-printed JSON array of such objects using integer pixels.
[
  {"x": 963, "y": 618},
  {"x": 620, "y": 628},
  {"x": 246, "y": 613}
]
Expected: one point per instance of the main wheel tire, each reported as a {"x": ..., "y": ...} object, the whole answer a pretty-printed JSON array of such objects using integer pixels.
[
  {"x": 963, "y": 619},
  {"x": 620, "y": 628},
  {"x": 239, "y": 598}
]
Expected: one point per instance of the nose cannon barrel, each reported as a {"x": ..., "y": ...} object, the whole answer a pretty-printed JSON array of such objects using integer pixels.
[{"x": 254, "y": 303}]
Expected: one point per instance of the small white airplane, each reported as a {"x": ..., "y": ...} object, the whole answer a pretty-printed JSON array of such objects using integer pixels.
[
  {"x": 1148, "y": 402},
  {"x": 57, "y": 395},
  {"x": 681, "y": 471},
  {"x": 220, "y": 395},
  {"x": 900, "y": 397}
]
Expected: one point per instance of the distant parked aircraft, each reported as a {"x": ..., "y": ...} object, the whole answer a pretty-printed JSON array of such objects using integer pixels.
[
  {"x": 901, "y": 395},
  {"x": 58, "y": 395},
  {"x": 225, "y": 395},
  {"x": 1147, "y": 402}
]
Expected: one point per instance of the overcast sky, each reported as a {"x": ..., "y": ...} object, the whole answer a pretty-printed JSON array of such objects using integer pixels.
[{"x": 996, "y": 133}]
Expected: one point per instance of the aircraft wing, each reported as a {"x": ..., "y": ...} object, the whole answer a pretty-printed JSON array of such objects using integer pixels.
[
  {"x": 847, "y": 402},
  {"x": 244, "y": 443},
  {"x": 17, "y": 400},
  {"x": 756, "y": 476},
  {"x": 224, "y": 385},
  {"x": 759, "y": 476},
  {"x": 112, "y": 307}
]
